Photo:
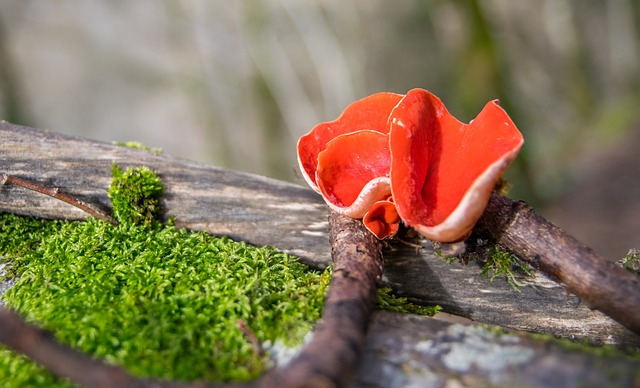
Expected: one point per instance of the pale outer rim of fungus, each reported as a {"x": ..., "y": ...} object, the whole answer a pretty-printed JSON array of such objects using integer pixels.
[
  {"x": 375, "y": 190},
  {"x": 461, "y": 221},
  {"x": 306, "y": 177}
]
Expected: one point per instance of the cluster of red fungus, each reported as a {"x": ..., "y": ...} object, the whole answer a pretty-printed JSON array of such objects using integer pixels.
[{"x": 392, "y": 158}]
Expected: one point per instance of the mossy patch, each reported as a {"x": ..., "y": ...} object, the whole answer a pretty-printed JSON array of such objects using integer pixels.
[
  {"x": 500, "y": 263},
  {"x": 138, "y": 145},
  {"x": 631, "y": 262},
  {"x": 135, "y": 195},
  {"x": 494, "y": 261},
  {"x": 388, "y": 301},
  {"x": 164, "y": 302}
]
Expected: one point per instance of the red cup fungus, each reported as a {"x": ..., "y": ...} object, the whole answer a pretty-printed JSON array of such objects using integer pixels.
[{"x": 391, "y": 158}]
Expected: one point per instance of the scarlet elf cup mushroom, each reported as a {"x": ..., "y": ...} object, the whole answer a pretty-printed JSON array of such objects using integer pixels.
[{"x": 390, "y": 158}]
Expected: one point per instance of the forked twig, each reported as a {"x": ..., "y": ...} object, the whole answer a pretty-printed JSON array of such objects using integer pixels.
[
  {"x": 56, "y": 193},
  {"x": 40, "y": 346},
  {"x": 328, "y": 360}
]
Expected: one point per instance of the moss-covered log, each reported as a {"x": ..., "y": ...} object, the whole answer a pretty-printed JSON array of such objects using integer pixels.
[{"x": 263, "y": 211}]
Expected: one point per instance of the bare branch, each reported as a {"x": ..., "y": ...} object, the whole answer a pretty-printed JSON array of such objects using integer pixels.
[
  {"x": 40, "y": 346},
  {"x": 600, "y": 283},
  {"x": 330, "y": 359},
  {"x": 56, "y": 193}
]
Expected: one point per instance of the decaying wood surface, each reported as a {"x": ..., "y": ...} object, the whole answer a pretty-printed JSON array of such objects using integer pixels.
[
  {"x": 264, "y": 211},
  {"x": 406, "y": 350},
  {"x": 401, "y": 350}
]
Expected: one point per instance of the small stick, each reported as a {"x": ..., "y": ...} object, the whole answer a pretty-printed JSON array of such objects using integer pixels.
[
  {"x": 251, "y": 337},
  {"x": 331, "y": 357},
  {"x": 40, "y": 346},
  {"x": 55, "y": 193},
  {"x": 600, "y": 283}
]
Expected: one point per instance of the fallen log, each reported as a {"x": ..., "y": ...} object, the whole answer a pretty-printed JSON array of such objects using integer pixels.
[
  {"x": 400, "y": 349},
  {"x": 264, "y": 211}
]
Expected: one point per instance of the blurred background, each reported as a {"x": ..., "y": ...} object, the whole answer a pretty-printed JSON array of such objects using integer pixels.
[{"x": 235, "y": 83}]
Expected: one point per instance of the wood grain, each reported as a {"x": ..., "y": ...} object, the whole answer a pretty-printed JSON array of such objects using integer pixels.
[{"x": 291, "y": 217}]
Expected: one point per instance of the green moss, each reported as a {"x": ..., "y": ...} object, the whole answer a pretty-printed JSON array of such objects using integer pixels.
[
  {"x": 494, "y": 261},
  {"x": 135, "y": 195},
  {"x": 500, "y": 263},
  {"x": 138, "y": 145},
  {"x": 388, "y": 301},
  {"x": 632, "y": 261},
  {"x": 161, "y": 301}
]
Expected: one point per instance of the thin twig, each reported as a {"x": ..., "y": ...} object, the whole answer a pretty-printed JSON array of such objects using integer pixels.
[
  {"x": 251, "y": 337},
  {"x": 40, "y": 346},
  {"x": 600, "y": 283},
  {"x": 331, "y": 357},
  {"x": 56, "y": 193}
]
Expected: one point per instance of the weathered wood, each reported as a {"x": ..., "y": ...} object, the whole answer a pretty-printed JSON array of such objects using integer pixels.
[
  {"x": 401, "y": 350},
  {"x": 242, "y": 206},
  {"x": 405, "y": 350},
  {"x": 264, "y": 211}
]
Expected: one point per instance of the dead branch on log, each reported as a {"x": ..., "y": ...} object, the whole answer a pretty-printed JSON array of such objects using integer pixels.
[
  {"x": 331, "y": 357},
  {"x": 40, "y": 346},
  {"x": 57, "y": 194},
  {"x": 329, "y": 360},
  {"x": 600, "y": 283}
]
